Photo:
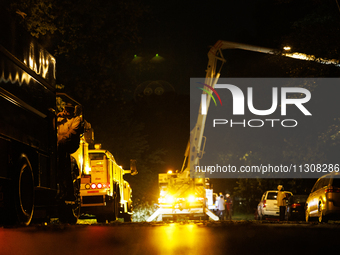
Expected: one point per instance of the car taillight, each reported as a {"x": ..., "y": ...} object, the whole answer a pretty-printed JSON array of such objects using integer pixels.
[
  {"x": 93, "y": 186},
  {"x": 264, "y": 203},
  {"x": 99, "y": 186},
  {"x": 295, "y": 205},
  {"x": 332, "y": 190}
]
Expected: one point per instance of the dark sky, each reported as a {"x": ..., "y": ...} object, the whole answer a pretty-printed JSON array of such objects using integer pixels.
[{"x": 182, "y": 32}]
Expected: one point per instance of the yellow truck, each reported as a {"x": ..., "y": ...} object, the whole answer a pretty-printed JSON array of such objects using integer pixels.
[{"x": 103, "y": 190}]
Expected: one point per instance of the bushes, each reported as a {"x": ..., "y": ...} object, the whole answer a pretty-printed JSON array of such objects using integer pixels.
[{"x": 143, "y": 210}]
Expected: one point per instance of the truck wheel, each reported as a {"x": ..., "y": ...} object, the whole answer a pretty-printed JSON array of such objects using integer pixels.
[
  {"x": 70, "y": 212},
  {"x": 127, "y": 217},
  {"x": 101, "y": 218},
  {"x": 24, "y": 192},
  {"x": 109, "y": 210},
  {"x": 117, "y": 202}
]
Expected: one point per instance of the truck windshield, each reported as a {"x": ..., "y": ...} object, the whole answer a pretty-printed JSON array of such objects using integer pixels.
[{"x": 96, "y": 156}]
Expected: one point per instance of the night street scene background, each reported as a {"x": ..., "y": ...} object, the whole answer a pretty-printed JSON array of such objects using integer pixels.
[{"x": 129, "y": 64}]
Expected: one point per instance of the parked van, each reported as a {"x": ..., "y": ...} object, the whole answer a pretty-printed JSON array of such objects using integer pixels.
[{"x": 323, "y": 203}]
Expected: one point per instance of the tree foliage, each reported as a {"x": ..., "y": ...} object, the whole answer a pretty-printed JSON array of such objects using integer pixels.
[
  {"x": 92, "y": 40},
  {"x": 310, "y": 27}
]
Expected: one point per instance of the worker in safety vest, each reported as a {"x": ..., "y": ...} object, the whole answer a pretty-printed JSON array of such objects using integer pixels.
[{"x": 281, "y": 202}]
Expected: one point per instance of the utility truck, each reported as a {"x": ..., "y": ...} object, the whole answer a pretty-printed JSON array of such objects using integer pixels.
[
  {"x": 103, "y": 191},
  {"x": 30, "y": 186},
  {"x": 180, "y": 193}
]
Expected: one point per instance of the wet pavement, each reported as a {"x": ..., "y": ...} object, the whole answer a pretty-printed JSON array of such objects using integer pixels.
[{"x": 201, "y": 237}]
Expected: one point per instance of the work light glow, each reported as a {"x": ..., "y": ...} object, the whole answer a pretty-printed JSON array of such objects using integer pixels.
[{"x": 191, "y": 198}]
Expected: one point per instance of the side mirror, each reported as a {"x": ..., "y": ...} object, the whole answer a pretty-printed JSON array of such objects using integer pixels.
[
  {"x": 133, "y": 168},
  {"x": 89, "y": 135}
]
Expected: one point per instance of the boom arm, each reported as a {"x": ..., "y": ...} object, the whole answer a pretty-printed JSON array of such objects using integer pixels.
[{"x": 214, "y": 56}]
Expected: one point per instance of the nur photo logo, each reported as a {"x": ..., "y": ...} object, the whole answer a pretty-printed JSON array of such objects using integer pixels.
[
  {"x": 280, "y": 98},
  {"x": 204, "y": 97}
]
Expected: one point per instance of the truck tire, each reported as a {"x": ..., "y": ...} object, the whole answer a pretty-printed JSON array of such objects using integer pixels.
[
  {"x": 23, "y": 185},
  {"x": 117, "y": 202},
  {"x": 101, "y": 218},
  {"x": 70, "y": 212},
  {"x": 127, "y": 217}
]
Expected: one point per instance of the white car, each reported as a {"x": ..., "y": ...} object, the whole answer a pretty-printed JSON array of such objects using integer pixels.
[{"x": 268, "y": 204}]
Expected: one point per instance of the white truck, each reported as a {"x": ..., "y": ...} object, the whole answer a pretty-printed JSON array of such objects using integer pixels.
[
  {"x": 103, "y": 190},
  {"x": 182, "y": 196}
]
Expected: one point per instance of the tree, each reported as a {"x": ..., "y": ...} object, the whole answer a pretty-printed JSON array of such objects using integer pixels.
[{"x": 92, "y": 41}]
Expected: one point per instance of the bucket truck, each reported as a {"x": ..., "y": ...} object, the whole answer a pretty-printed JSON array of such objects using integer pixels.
[{"x": 180, "y": 193}]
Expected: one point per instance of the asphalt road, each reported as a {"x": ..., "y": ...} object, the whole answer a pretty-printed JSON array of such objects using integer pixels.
[{"x": 204, "y": 237}]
